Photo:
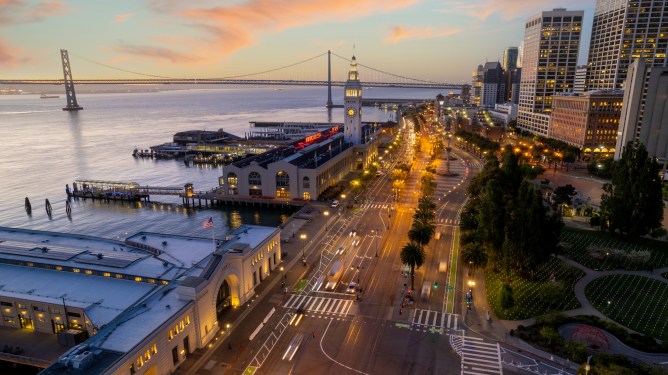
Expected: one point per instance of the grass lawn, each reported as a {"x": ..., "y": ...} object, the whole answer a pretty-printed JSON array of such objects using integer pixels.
[
  {"x": 600, "y": 251},
  {"x": 543, "y": 295},
  {"x": 635, "y": 301}
]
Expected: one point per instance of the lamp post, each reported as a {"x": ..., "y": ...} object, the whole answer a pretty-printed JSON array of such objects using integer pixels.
[
  {"x": 303, "y": 237},
  {"x": 229, "y": 336},
  {"x": 326, "y": 213}
]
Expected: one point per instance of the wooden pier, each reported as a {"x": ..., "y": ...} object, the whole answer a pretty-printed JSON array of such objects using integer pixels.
[{"x": 133, "y": 192}]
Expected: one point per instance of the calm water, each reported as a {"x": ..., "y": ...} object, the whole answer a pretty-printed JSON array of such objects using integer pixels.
[{"x": 43, "y": 148}]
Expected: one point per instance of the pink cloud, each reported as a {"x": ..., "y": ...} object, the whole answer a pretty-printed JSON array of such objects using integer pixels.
[
  {"x": 400, "y": 33},
  {"x": 157, "y": 53},
  {"x": 508, "y": 9},
  {"x": 10, "y": 56},
  {"x": 229, "y": 28},
  {"x": 120, "y": 18},
  {"x": 13, "y": 12}
]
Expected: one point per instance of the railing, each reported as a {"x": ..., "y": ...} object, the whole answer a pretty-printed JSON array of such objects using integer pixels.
[{"x": 25, "y": 360}]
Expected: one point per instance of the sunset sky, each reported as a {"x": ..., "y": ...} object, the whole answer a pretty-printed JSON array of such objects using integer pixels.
[{"x": 436, "y": 40}]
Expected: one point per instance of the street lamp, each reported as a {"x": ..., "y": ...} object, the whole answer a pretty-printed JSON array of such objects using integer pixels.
[
  {"x": 229, "y": 336},
  {"x": 303, "y": 237},
  {"x": 326, "y": 213}
]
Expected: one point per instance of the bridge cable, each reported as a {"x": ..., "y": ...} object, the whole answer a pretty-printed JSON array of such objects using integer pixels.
[
  {"x": 391, "y": 74},
  {"x": 221, "y": 78}
]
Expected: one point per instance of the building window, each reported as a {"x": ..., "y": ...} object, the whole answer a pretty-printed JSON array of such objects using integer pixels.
[
  {"x": 175, "y": 355},
  {"x": 8, "y": 304},
  {"x": 73, "y": 314},
  {"x": 306, "y": 184},
  {"x": 232, "y": 182},
  {"x": 254, "y": 178}
]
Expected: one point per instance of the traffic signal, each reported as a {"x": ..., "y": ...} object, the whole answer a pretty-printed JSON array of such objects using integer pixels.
[{"x": 435, "y": 284}]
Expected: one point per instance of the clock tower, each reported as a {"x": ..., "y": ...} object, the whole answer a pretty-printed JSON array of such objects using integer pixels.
[{"x": 352, "y": 104}]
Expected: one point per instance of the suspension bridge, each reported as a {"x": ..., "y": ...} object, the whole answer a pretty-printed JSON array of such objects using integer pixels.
[
  {"x": 307, "y": 72},
  {"x": 314, "y": 71}
]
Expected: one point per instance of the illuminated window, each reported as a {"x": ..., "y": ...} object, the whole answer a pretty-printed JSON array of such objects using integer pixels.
[
  {"x": 76, "y": 270},
  {"x": 106, "y": 274},
  {"x": 138, "y": 278},
  {"x": 187, "y": 320},
  {"x": 154, "y": 349},
  {"x": 88, "y": 272},
  {"x": 59, "y": 268},
  {"x": 170, "y": 335}
]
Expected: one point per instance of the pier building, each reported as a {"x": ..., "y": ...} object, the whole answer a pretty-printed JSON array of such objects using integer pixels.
[
  {"x": 307, "y": 167},
  {"x": 141, "y": 305}
]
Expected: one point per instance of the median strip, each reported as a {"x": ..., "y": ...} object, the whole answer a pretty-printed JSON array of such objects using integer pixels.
[{"x": 450, "y": 306}]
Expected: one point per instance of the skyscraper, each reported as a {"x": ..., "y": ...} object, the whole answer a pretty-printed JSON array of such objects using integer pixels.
[
  {"x": 509, "y": 59},
  {"x": 476, "y": 84},
  {"x": 551, "y": 44},
  {"x": 625, "y": 30},
  {"x": 493, "y": 86},
  {"x": 645, "y": 110}
]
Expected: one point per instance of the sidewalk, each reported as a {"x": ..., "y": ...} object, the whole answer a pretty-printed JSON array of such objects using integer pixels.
[{"x": 237, "y": 338}]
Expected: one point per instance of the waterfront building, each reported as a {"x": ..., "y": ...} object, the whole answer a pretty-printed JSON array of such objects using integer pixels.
[
  {"x": 580, "y": 83},
  {"x": 588, "y": 121},
  {"x": 644, "y": 115},
  {"x": 305, "y": 168},
  {"x": 466, "y": 93},
  {"x": 509, "y": 61},
  {"x": 622, "y": 31},
  {"x": 549, "y": 59},
  {"x": 493, "y": 86},
  {"x": 142, "y": 305}
]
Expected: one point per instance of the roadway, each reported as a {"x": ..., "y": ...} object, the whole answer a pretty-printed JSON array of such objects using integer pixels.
[{"x": 375, "y": 329}]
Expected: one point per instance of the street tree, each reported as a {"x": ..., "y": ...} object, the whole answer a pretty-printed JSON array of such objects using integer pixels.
[
  {"x": 632, "y": 201},
  {"x": 475, "y": 256},
  {"x": 412, "y": 255}
]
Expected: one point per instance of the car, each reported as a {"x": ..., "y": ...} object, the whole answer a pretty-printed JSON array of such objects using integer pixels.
[
  {"x": 335, "y": 204},
  {"x": 351, "y": 287},
  {"x": 356, "y": 242},
  {"x": 352, "y": 233}
]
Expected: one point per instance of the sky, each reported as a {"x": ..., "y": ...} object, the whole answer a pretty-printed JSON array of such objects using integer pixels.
[{"x": 440, "y": 40}]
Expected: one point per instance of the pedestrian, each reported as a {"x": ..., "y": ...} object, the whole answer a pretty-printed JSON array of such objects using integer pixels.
[{"x": 313, "y": 334}]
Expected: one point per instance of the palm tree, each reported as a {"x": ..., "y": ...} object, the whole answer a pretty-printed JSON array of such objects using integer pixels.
[
  {"x": 426, "y": 204},
  {"x": 421, "y": 233},
  {"x": 413, "y": 255},
  {"x": 475, "y": 256}
]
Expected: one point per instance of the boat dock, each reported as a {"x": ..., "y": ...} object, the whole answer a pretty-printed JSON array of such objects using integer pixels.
[{"x": 134, "y": 192}]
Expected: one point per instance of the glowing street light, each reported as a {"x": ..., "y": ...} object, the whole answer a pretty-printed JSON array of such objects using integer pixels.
[{"x": 303, "y": 237}]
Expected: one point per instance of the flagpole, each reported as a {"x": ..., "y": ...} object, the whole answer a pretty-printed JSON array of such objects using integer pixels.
[{"x": 213, "y": 237}]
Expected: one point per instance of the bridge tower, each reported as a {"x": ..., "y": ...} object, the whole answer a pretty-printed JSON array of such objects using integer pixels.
[
  {"x": 69, "y": 83},
  {"x": 329, "y": 80}
]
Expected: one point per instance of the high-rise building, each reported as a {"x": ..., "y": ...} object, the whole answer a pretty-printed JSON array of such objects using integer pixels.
[
  {"x": 476, "y": 85},
  {"x": 509, "y": 61},
  {"x": 579, "y": 86},
  {"x": 551, "y": 44},
  {"x": 520, "y": 52},
  {"x": 645, "y": 111},
  {"x": 352, "y": 104},
  {"x": 624, "y": 30},
  {"x": 466, "y": 93},
  {"x": 588, "y": 121},
  {"x": 515, "y": 86},
  {"x": 493, "y": 86}
]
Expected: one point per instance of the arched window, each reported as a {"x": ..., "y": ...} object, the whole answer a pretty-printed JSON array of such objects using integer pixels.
[
  {"x": 254, "y": 178},
  {"x": 232, "y": 178},
  {"x": 232, "y": 182},
  {"x": 306, "y": 184},
  {"x": 282, "y": 185}
]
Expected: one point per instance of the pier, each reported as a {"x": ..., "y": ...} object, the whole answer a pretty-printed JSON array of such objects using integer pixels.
[{"x": 134, "y": 192}]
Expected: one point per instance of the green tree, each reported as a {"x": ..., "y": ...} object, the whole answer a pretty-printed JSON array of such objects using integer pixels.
[
  {"x": 506, "y": 299},
  {"x": 474, "y": 255},
  {"x": 549, "y": 333},
  {"x": 412, "y": 255},
  {"x": 632, "y": 201},
  {"x": 421, "y": 233}
]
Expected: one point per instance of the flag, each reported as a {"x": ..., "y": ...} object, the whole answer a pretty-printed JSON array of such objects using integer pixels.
[{"x": 208, "y": 224}]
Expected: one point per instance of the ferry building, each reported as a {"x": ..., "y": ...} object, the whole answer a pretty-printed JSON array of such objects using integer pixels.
[
  {"x": 306, "y": 168},
  {"x": 138, "y": 306}
]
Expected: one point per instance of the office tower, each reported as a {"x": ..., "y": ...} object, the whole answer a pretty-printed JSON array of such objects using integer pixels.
[
  {"x": 579, "y": 86},
  {"x": 476, "y": 84},
  {"x": 551, "y": 44},
  {"x": 520, "y": 52},
  {"x": 466, "y": 93},
  {"x": 515, "y": 86},
  {"x": 625, "y": 30},
  {"x": 493, "y": 86},
  {"x": 588, "y": 121},
  {"x": 645, "y": 111},
  {"x": 509, "y": 61}
]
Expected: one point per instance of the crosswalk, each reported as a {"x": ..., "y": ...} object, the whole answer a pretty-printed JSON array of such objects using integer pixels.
[
  {"x": 448, "y": 221},
  {"x": 375, "y": 205},
  {"x": 430, "y": 318},
  {"x": 480, "y": 357},
  {"x": 319, "y": 304}
]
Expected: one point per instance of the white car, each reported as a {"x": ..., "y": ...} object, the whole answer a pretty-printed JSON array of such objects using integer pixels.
[
  {"x": 351, "y": 287},
  {"x": 335, "y": 204},
  {"x": 356, "y": 242}
]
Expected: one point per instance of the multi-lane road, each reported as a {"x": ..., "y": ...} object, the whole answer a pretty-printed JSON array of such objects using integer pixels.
[{"x": 329, "y": 326}]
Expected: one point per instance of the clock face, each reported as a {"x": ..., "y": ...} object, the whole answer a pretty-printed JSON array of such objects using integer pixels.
[{"x": 351, "y": 112}]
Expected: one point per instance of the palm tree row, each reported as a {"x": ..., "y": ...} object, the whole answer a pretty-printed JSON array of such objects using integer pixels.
[{"x": 421, "y": 232}]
